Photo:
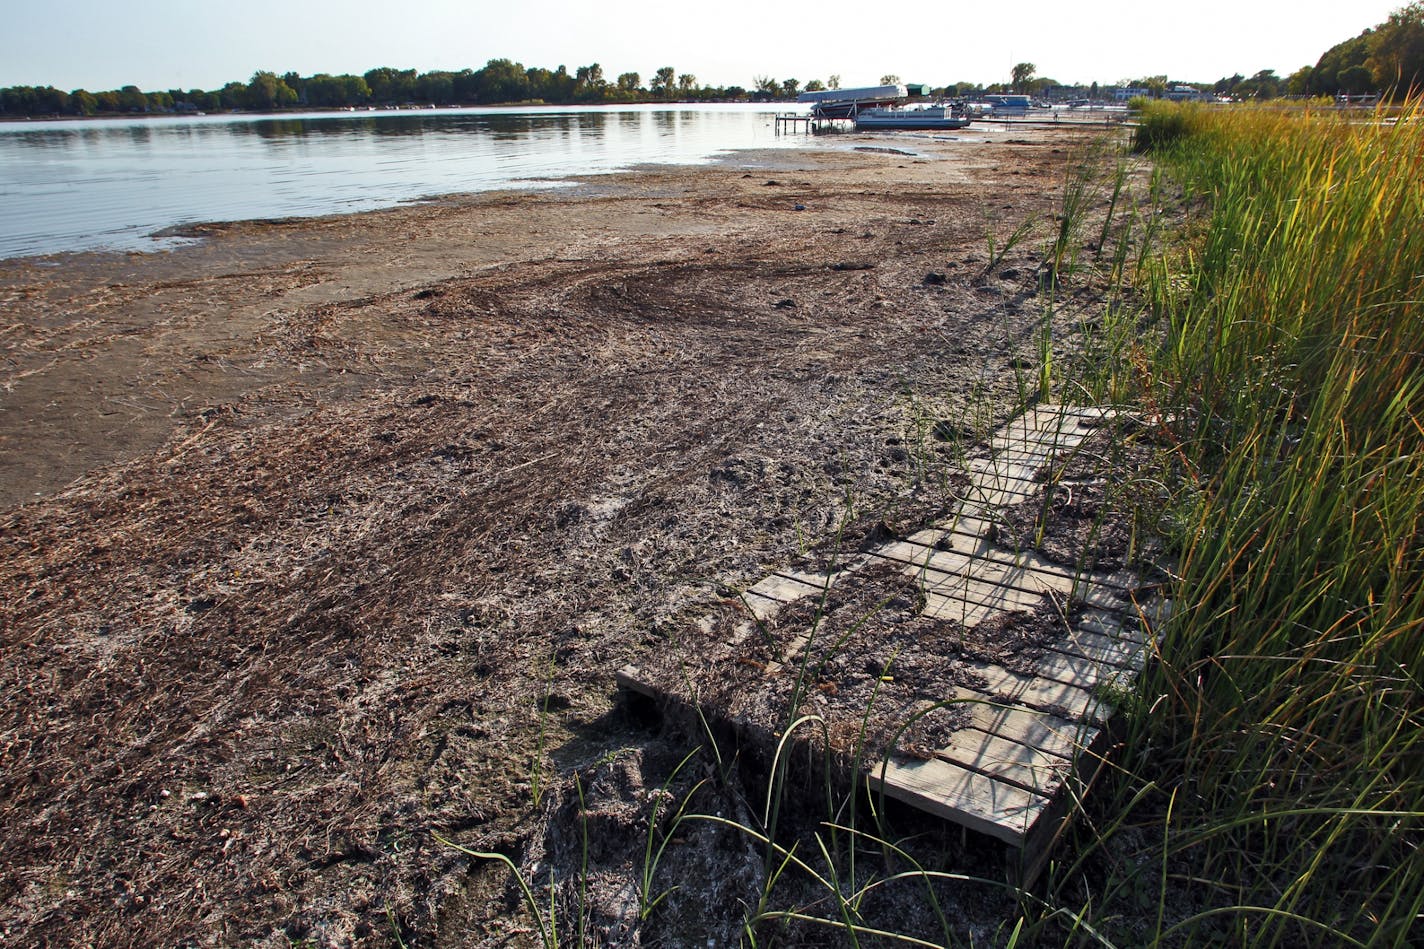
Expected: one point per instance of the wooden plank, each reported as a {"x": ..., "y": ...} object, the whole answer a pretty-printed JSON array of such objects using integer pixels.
[
  {"x": 630, "y": 679},
  {"x": 1043, "y": 441},
  {"x": 762, "y": 607},
  {"x": 1076, "y": 670},
  {"x": 948, "y": 595},
  {"x": 1122, "y": 624},
  {"x": 1006, "y": 465},
  {"x": 951, "y": 543},
  {"x": 784, "y": 589},
  {"x": 1040, "y": 421},
  {"x": 1025, "y": 570},
  {"x": 966, "y": 614},
  {"x": 1060, "y": 698},
  {"x": 1103, "y": 648},
  {"x": 1006, "y": 761},
  {"x": 988, "y": 496},
  {"x": 1041, "y": 731},
  {"x": 966, "y": 797},
  {"x": 1058, "y": 418}
]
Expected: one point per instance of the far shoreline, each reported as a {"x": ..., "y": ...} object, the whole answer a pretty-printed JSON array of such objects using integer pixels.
[{"x": 333, "y": 110}]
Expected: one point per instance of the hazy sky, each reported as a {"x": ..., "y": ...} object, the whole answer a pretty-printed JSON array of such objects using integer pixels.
[{"x": 163, "y": 44}]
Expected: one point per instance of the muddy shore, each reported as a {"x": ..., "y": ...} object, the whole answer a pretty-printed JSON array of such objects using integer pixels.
[{"x": 324, "y": 537}]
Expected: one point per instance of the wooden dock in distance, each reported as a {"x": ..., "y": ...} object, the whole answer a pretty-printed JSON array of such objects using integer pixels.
[{"x": 1036, "y": 734}]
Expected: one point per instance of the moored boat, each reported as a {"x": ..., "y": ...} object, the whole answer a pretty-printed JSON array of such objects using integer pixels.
[
  {"x": 845, "y": 103},
  {"x": 930, "y": 118}
]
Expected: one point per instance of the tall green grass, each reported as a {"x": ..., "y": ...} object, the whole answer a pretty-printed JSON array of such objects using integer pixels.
[{"x": 1276, "y": 758}]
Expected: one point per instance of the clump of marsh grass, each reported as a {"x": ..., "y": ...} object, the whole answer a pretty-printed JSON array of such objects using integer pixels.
[{"x": 1283, "y": 727}]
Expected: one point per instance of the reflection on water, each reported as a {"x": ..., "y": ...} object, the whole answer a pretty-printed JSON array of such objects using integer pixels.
[{"x": 109, "y": 184}]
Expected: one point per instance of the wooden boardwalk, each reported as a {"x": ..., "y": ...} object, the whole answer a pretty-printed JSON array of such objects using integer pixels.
[{"x": 1036, "y": 736}]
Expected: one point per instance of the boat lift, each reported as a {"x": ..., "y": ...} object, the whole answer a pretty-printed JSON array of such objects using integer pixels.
[{"x": 831, "y": 106}]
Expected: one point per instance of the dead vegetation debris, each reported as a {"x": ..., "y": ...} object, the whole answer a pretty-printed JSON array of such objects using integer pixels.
[{"x": 379, "y": 585}]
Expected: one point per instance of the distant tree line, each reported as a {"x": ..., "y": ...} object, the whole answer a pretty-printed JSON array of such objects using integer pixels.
[
  {"x": 1387, "y": 59},
  {"x": 500, "y": 81}
]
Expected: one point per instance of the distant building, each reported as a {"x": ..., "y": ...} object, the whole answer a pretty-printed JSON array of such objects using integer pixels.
[
  {"x": 1123, "y": 93},
  {"x": 1184, "y": 93}
]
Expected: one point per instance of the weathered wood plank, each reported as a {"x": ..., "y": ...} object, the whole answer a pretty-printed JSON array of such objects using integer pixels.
[
  {"x": 762, "y": 607},
  {"x": 948, "y": 595},
  {"x": 1044, "y": 732},
  {"x": 1049, "y": 695},
  {"x": 1076, "y": 670},
  {"x": 952, "y": 543},
  {"x": 1046, "y": 441},
  {"x": 1039, "y": 839},
  {"x": 784, "y": 589},
  {"x": 1123, "y": 625},
  {"x": 966, "y": 797},
  {"x": 1025, "y": 570},
  {"x": 1003, "y": 760},
  {"x": 1104, "y": 648}
]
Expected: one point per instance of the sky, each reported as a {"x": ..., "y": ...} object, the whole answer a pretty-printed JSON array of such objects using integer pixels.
[{"x": 166, "y": 44}]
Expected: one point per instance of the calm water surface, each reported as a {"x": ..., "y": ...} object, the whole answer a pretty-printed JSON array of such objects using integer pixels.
[{"x": 110, "y": 185}]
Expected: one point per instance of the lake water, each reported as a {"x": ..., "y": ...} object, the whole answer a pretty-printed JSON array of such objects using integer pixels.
[{"x": 111, "y": 184}]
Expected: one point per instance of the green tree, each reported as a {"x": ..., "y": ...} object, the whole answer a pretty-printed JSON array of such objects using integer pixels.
[
  {"x": 335, "y": 92},
  {"x": 815, "y": 85},
  {"x": 686, "y": 84},
  {"x": 1356, "y": 81},
  {"x": 1156, "y": 86},
  {"x": 82, "y": 103},
  {"x": 629, "y": 82},
  {"x": 1325, "y": 79},
  {"x": 1021, "y": 76},
  {"x": 1264, "y": 85},
  {"x": 1298, "y": 82},
  {"x": 501, "y": 80},
  {"x": 437, "y": 87},
  {"x": 834, "y": 82},
  {"x": 540, "y": 83},
  {"x": 391, "y": 85},
  {"x": 266, "y": 91},
  {"x": 789, "y": 88},
  {"x": 297, "y": 84},
  {"x": 131, "y": 99},
  {"x": 561, "y": 85},
  {"x": 662, "y": 84},
  {"x": 589, "y": 84},
  {"x": 1396, "y": 51}
]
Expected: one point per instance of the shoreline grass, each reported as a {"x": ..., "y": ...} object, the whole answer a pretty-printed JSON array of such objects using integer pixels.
[{"x": 1283, "y": 726}]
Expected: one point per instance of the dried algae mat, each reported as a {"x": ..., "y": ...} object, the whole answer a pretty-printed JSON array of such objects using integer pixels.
[{"x": 965, "y": 676}]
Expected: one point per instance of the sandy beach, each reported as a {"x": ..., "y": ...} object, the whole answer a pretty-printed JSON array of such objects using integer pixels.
[{"x": 324, "y": 537}]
